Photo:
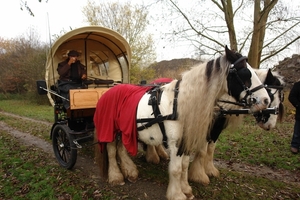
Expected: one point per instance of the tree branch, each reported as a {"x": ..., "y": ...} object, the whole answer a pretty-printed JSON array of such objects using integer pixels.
[{"x": 281, "y": 49}]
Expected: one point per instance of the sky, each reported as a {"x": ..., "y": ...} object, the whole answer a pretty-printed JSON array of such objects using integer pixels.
[
  {"x": 55, "y": 16},
  {"x": 59, "y": 15}
]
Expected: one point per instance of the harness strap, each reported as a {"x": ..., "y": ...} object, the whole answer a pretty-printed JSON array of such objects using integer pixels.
[
  {"x": 250, "y": 92},
  {"x": 150, "y": 122},
  {"x": 279, "y": 87},
  {"x": 232, "y": 102},
  {"x": 158, "y": 117},
  {"x": 239, "y": 60},
  {"x": 174, "y": 115},
  {"x": 155, "y": 101},
  {"x": 257, "y": 88}
]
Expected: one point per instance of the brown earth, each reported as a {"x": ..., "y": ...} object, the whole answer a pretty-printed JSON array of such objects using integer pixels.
[
  {"x": 143, "y": 188},
  {"x": 289, "y": 68}
]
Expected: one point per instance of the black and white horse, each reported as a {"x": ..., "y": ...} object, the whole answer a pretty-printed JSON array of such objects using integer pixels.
[
  {"x": 204, "y": 161},
  {"x": 187, "y": 107}
]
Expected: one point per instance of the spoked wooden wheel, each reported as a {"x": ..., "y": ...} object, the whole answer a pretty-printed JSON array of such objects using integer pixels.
[{"x": 64, "y": 149}]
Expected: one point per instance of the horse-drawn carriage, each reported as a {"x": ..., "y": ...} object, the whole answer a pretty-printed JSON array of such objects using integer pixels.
[
  {"x": 188, "y": 106},
  {"x": 106, "y": 54}
]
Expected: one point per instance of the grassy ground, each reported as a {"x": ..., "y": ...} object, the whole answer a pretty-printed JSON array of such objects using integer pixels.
[
  {"x": 27, "y": 172},
  {"x": 27, "y": 109}
]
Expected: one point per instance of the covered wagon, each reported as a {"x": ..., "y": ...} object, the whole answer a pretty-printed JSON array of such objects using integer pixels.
[{"x": 106, "y": 55}]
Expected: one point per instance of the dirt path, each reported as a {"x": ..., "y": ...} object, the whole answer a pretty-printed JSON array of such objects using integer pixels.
[
  {"x": 141, "y": 189},
  {"x": 87, "y": 165}
]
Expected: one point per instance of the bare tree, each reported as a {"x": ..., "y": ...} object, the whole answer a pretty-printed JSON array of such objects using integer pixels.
[
  {"x": 22, "y": 62},
  {"x": 24, "y": 5},
  {"x": 131, "y": 21},
  {"x": 264, "y": 28}
]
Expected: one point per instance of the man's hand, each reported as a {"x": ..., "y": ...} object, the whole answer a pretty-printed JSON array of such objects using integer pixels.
[
  {"x": 72, "y": 60},
  {"x": 83, "y": 76}
]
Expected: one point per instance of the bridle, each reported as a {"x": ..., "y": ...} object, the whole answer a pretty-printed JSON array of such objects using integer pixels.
[
  {"x": 263, "y": 116},
  {"x": 278, "y": 88},
  {"x": 242, "y": 102}
]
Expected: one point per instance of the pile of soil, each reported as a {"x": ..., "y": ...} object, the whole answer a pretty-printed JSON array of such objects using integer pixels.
[{"x": 289, "y": 68}]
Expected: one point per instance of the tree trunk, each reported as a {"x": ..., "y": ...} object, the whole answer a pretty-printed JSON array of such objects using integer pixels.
[
  {"x": 229, "y": 16},
  {"x": 259, "y": 30}
]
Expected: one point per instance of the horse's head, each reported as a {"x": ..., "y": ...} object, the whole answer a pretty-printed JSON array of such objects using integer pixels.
[
  {"x": 274, "y": 84},
  {"x": 243, "y": 83}
]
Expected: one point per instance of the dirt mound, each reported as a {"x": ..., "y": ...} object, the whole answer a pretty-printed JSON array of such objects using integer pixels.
[
  {"x": 289, "y": 68},
  {"x": 173, "y": 68}
]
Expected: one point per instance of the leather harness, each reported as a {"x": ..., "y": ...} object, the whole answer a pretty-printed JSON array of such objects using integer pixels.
[{"x": 154, "y": 100}]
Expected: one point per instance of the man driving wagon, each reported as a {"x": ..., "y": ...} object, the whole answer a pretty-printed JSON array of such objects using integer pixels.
[{"x": 71, "y": 74}]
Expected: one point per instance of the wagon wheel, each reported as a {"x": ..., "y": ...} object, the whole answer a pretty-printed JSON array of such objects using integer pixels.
[{"x": 64, "y": 149}]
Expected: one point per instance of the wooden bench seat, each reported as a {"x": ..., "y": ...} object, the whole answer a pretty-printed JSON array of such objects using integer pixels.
[{"x": 85, "y": 98}]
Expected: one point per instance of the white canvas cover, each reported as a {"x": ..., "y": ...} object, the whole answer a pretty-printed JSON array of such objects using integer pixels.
[{"x": 104, "y": 52}]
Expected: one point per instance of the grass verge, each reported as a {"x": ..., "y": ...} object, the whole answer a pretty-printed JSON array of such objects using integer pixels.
[{"x": 28, "y": 173}]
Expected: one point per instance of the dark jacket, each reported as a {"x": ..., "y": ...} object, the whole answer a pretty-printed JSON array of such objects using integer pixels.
[
  {"x": 66, "y": 74},
  {"x": 294, "y": 98}
]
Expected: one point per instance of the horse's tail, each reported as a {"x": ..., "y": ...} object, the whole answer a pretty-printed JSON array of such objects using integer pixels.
[{"x": 101, "y": 157}]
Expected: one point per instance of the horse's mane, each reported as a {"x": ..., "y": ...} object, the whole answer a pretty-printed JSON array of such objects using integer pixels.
[{"x": 196, "y": 104}]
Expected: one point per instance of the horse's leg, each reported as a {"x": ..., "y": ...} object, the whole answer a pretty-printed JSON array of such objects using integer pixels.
[
  {"x": 154, "y": 153},
  {"x": 197, "y": 172},
  {"x": 161, "y": 151},
  {"x": 115, "y": 177},
  {"x": 127, "y": 166},
  {"x": 210, "y": 169},
  {"x": 174, "y": 191},
  {"x": 186, "y": 188},
  {"x": 151, "y": 155}
]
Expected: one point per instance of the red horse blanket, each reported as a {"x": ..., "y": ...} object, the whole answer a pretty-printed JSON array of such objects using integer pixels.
[{"x": 116, "y": 112}]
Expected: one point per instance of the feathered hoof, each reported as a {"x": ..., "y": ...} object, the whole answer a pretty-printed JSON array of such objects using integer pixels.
[
  {"x": 189, "y": 196},
  {"x": 213, "y": 173},
  {"x": 115, "y": 178},
  {"x": 178, "y": 197},
  {"x": 132, "y": 179},
  {"x": 154, "y": 160},
  {"x": 204, "y": 180},
  {"x": 114, "y": 183},
  {"x": 163, "y": 155}
]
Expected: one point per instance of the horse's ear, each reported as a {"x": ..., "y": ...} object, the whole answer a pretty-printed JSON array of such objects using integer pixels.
[
  {"x": 229, "y": 54},
  {"x": 270, "y": 77},
  {"x": 270, "y": 73}
]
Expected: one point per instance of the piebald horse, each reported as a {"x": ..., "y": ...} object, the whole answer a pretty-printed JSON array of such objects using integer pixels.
[
  {"x": 204, "y": 161},
  {"x": 273, "y": 83},
  {"x": 187, "y": 109}
]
